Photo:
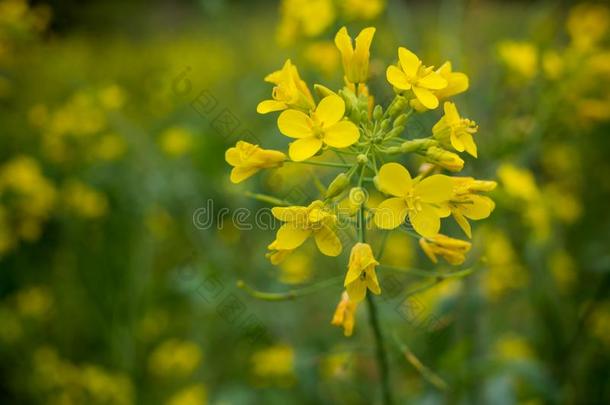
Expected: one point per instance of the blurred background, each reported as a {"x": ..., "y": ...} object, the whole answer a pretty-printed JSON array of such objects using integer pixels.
[{"x": 118, "y": 268}]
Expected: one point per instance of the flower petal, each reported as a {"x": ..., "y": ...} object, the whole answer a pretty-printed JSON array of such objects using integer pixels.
[
  {"x": 426, "y": 221},
  {"x": 463, "y": 223},
  {"x": 341, "y": 135},
  {"x": 394, "y": 179},
  {"x": 295, "y": 124},
  {"x": 426, "y": 97},
  {"x": 290, "y": 236},
  {"x": 294, "y": 214},
  {"x": 433, "y": 81},
  {"x": 356, "y": 290},
  {"x": 397, "y": 78},
  {"x": 391, "y": 213},
  {"x": 371, "y": 281},
  {"x": 469, "y": 145},
  {"x": 409, "y": 62},
  {"x": 239, "y": 174},
  {"x": 478, "y": 207},
  {"x": 268, "y": 106},
  {"x": 327, "y": 241},
  {"x": 435, "y": 189},
  {"x": 330, "y": 110},
  {"x": 304, "y": 148}
]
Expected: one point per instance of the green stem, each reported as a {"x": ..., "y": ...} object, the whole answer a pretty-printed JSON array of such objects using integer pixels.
[
  {"x": 381, "y": 353},
  {"x": 267, "y": 198},
  {"x": 430, "y": 273},
  {"x": 290, "y": 294},
  {"x": 327, "y": 164}
]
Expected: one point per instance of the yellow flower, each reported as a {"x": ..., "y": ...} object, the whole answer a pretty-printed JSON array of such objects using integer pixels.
[
  {"x": 412, "y": 75},
  {"x": 361, "y": 9},
  {"x": 302, "y": 222},
  {"x": 247, "y": 159},
  {"x": 444, "y": 158},
  {"x": 84, "y": 200},
  {"x": 304, "y": 18},
  {"x": 175, "y": 358},
  {"x": 452, "y": 250},
  {"x": 361, "y": 273},
  {"x": 587, "y": 24},
  {"x": 290, "y": 91},
  {"x": 324, "y": 126},
  {"x": 457, "y": 82},
  {"x": 274, "y": 364},
  {"x": 176, "y": 141},
  {"x": 421, "y": 200},
  {"x": 520, "y": 57},
  {"x": 355, "y": 59},
  {"x": 456, "y": 131},
  {"x": 466, "y": 203},
  {"x": 195, "y": 394},
  {"x": 345, "y": 314},
  {"x": 275, "y": 255}
]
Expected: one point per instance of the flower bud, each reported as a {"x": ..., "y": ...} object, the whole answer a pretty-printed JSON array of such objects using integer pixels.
[
  {"x": 377, "y": 112},
  {"x": 400, "y": 120},
  {"x": 384, "y": 124},
  {"x": 397, "y": 105},
  {"x": 482, "y": 185},
  {"x": 396, "y": 131},
  {"x": 362, "y": 159},
  {"x": 337, "y": 186},
  {"x": 357, "y": 197},
  {"x": 445, "y": 159},
  {"x": 417, "y": 145}
]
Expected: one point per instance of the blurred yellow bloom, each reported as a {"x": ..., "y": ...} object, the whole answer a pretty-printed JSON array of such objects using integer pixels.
[
  {"x": 112, "y": 97},
  {"x": 587, "y": 24},
  {"x": 34, "y": 302},
  {"x": 322, "y": 56},
  {"x": 520, "y": 57},
  {"x": 599, "y": 322},
  {"x": 421, "y": 200},
  {"x": 361, "y": 9},
  {"x": 84, "y": 200},
  {"x": 517, "y": 182},
  {"x": 176, "y": 141},
  {"x": 411, "y": 74},
  {"x": 296, "y": 269},
  {"x": 290, "y": 91},
  {"x": 355, "y": 59},
  {"x": 247, "y": 159},
  {"x": 302, "y": 222},
  {"x": 275, "y": 255},
  {"x": 110, "y": 147},
  {"x": 468, "y": 204},
  {"x": 451, "y": 249},
  {"x": 563, "y": 269},
  {"x": 361, "y": 273},
  {"x": 195, "y": 394},
  {"x": 504, "y": 272},
  {"x": 345, "y": 314},
  {"x": 456, "y": 131},
  {"x": 175, "y": 358},
  {"x": 511, "y": 347},
  {"x": 324, "y": 126},
  {"x": 552, "y": 64},
  {"x": 274, "y": 365},
  {"x": 307, "y": 18}
]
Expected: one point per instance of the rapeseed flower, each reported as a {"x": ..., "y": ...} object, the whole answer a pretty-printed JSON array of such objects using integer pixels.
[
  {"x": 247, "y": 159},
  {"x": 361, "y": 273},
  {"x": 324, "y": 126},
  {"x": 290, "y": 91},
  {"x": 451, "y": 249},
  {"x": 421, "y": 200},
  {"x": 355, "y": 58},
  {"x": 345, "y": 314},
  {"x": 455, "y": 131}
]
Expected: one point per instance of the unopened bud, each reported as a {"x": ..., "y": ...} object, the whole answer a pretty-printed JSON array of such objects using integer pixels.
[
  {"x": 362, "y": 159},
  {"x": 400, "y": 120},
  {"x": 337, "y": 186},
  {"x": 417, "y": 145},
  {"x": 384, "y": 124},
  {"x": 357, "y": 196},
  {"x": 396, "y": 131},
  {"x": 397, "y": 105},
  {"x": 445, "y": 159},
  {"x": 482, "y": 185},
  {"x": 377, "y": 112}
]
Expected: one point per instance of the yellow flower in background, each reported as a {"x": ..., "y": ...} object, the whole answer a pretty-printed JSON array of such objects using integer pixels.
[
  {"x": 290, "y": 91},
  {"x": 175, "y": 358},
  {"x": 518, "y": 182},
  {"x": 322, "y": 56},
  {"x": 34, "y": 302},
  {"x": 345, "y": 314},
  {"x": 457, "y": 82},
  {"x": 456, "y": 131},
  {"x": 110, "y": 147},
  {"x": 274, "y": 365},
  {"x": 195, "y": 394},
  {"x": 361, "y": 9},
  {"x": 511, "y": 347},
  {"x": 296, "y": 269},
  {"x": 355, "y": 58},
  {"x": 176, "y": 141},
  {"x": 421, "y": 200},
  {"x": 307, "y": 18},
  {"x": 468, "y": 204},
  {"x": 323, "y": 127},
  {"x": 519, "y": 57},
  {"x": 302, "y": 222},
  {"x": 112, "y": 97},
  {"x": 587, "y": 24},
  {"x": 361, "y": 273},
  {"x": 247, "y": 159},
  {"x": 563, "y": 269},
  {"x": 84, "y": 200},
  {"x": 412, "y": 75},
  {"x": 451, "y": 249}
]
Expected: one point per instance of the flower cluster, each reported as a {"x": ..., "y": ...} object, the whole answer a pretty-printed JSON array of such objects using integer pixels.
[{"x": 346, "y": 130}]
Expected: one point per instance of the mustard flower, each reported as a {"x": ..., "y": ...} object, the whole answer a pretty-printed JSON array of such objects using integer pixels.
[
  {"x": 456, "y": 131},
  {"x": 355, "y": 59},
  {"x": 247, "y": 159},
  {"x": 468, "y": 204},
  {"x": 302, "y": 222},
  {"x": 345, "y": 314},
  {"x": 411, "y": 74},
  {"x": 451, "y": 249},
  {"x": 290, "y": 91},
  {"x": 324, "y": 126},
  {"x": 423, "y": 201},
  {"x": 457, "y": 82},
  {"x": 361, "y": 273}
]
